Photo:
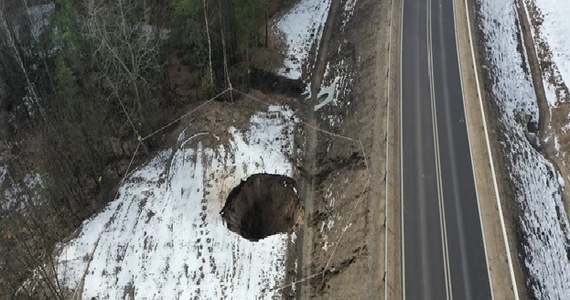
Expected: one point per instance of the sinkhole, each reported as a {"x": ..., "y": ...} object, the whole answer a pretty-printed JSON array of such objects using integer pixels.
[{"x": 263, "y": 205}]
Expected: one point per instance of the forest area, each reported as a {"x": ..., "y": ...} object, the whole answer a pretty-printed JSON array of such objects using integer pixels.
[{"x": 81, "y": 81}]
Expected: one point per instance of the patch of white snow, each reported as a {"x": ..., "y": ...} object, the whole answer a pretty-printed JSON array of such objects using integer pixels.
[
  {"x": 543, "y": 222},
  {"x": 553, "y": 32},
  {"x": 302, "y": 27},
  {"x": 163, "y": 237}
]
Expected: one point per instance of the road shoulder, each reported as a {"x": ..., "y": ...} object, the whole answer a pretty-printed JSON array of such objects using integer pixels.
[
  {"x": 395, "y": 284},
  {"x": 348, "y": 244}
]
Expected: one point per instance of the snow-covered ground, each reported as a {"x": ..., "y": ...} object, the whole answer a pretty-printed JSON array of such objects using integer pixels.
[
  {"x": 40, "y": 18},
  {"x": 5, "y": 200},
  {"x": 537, "y": 184},
  {"x": 552, "y": 43},
  {"x": 550, "y": 27},
  {"x": 14, "y": 196},
  {"x": 163, "y": 238},
  {"x": 301, "y": 27}
]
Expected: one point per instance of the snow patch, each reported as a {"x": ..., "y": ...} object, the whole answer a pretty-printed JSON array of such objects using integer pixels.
[
  {"x": 333, "y": 92},
  {"x": 348, "y": 11},
  {"x": 3, "y": 173},
  {"x": 560, "y": 180},
  {"x": 16, "y": 195},
  {"x": 40, "y": 18},
  {"x": 163, "y": 238},
  {"x": 327, "y": 94},
  {"x": 538, "y": 190},
  {"x": 302, "y": 27},
  {"x": 553, "y": 31}
]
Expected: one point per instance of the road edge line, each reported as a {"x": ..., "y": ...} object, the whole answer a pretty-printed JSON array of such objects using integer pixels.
[
  {"x": 402, "y": 237},
  {"x": 440, "y": 200},
  {"x": 471, "y": 153},
  {"x": 494, "y": 176}
]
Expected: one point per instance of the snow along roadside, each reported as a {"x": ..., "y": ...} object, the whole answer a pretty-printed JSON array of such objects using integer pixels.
[
  {"x": 551, "y": 42},
  {"x": 301, "y": 27},
  {"x": 543, "y": 224}
]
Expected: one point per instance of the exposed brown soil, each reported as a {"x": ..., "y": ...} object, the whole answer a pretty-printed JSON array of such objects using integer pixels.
[
  {"x": 263, "y": 205},
  {"x": 343, "y": 238},
  {"x": 183, "y": 79}
]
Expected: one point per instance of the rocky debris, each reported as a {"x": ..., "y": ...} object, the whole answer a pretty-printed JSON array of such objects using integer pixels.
[
  {"x": 263, "y": 205},
  {"x": 530, "y": 129}
]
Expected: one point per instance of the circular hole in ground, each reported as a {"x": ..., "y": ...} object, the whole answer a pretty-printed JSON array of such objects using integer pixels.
[{"x": 263, "y": 205}]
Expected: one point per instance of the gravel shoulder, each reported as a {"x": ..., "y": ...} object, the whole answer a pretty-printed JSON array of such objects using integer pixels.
[
  {"x": 394, "y": 213},
  {"x": 488, "y": 203}
]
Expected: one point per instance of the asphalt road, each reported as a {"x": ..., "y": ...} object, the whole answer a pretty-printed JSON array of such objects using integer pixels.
[{"x": 443, "y": 249}]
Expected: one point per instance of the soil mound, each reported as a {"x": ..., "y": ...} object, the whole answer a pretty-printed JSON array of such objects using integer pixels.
[{"x": 263, "y": 205}]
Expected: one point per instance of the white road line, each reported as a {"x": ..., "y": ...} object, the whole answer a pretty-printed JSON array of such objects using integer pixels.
[
  {"x": 443, "y": 227},
  {"x": 402, "y": 160},
  {"x": 471, "y": 153},
  {"x": 453, "y": 161},
  {"x": 495, "y": 185}
]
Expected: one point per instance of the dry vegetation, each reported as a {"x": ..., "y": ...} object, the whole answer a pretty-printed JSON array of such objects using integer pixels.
[{"x": 80, "y": 83}]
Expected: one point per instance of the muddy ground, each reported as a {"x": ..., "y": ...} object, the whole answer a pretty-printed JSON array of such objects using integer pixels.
[{"x": 341, "y": 248}]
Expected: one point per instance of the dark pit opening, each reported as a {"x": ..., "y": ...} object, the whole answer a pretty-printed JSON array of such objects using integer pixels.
[
  {"x": 263, "y": 205},
  {"x": 269, "y": 83}
]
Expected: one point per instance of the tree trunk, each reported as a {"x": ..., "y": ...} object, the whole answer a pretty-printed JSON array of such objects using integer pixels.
[
  {"x": 9, "y": 41},
  {"x": 266, "y": 26},
  {"x": 209, "y": 44},
  {"x": 227, "y": 77},
  {"x": 137, "y": 98}
]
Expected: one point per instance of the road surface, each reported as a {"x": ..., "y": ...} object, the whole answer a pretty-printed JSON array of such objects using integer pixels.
[{"x": 443, "y": 250}]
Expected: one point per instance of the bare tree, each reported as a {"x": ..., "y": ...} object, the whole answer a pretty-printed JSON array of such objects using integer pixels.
[
  {"x": 126, "y": 49},
  {"x": 12, "y": 53},
  {"x": 209, "y": 43},
  {"x": 32, "y": 264},
  {"x": 223, "y": 37}
]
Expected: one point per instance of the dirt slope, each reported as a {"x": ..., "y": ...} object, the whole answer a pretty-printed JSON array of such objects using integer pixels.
[{"x": 346, "y": 214}]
